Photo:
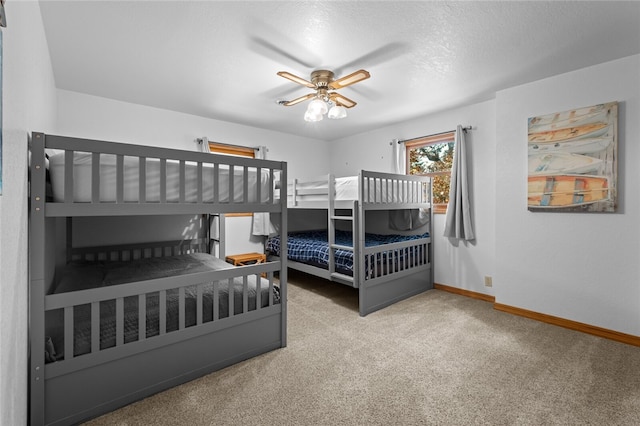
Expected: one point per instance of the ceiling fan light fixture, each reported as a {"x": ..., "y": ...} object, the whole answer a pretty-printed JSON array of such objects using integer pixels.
[
  {"x": 318, "y": 106},
  {"x": 324, "y": 101},
  {"x": 337, "y": 112},
  {"x": 312, "y": 116}
]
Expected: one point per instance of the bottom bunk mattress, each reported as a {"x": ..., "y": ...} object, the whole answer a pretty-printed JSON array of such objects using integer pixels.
[
  {"x": 89, "y": 275},
  {"x": 312, "y": 248}
]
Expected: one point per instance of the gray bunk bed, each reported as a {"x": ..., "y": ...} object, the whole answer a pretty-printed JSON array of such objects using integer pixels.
[
  {"x": 113, "y": 324},
  {"x": 384, "y": 268}
]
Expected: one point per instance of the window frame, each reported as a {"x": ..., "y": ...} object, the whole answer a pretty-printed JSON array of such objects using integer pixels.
[
  {"x": 238, "y": 151},
  {"x": 445, "y": 137}
]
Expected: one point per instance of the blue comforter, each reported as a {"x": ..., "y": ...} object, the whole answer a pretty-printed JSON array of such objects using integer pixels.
[{"x": 312, "y": 247}]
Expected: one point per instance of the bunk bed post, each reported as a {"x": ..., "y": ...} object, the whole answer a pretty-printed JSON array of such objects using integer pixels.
[
  {"x": 222, "y": 236},
  {"x": 331, "y": 225},
  {"x": 36, "y": 279},
  {"x": 283, "y": 249},
  {"x": 430, "y": 251},
  {"x": 359, "y": 273}
]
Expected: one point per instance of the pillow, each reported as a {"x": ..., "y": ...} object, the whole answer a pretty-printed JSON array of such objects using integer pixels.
[{"x": 78, "y": 276}]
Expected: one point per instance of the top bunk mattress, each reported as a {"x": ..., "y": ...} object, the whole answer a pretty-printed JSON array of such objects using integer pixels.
[
  {"x": 346, "y": 189},
  {"x": 390, "y": 190},
  {"x": 213, "y": 179}
]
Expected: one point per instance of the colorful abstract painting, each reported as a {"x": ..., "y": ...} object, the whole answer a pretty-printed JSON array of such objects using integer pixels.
[{"x": 573, "y": 160}]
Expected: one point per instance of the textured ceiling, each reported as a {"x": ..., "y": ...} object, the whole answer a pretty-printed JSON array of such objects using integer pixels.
[{"x": 219, "y": 59}]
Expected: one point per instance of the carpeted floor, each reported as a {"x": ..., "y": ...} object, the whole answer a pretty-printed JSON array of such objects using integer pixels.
[{"x": 436, "y": 358}]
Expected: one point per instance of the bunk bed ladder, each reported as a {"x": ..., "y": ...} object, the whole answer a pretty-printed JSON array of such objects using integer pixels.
[
  {"x": 331, "y": 234},
  {"x": 337, "y": 276}
]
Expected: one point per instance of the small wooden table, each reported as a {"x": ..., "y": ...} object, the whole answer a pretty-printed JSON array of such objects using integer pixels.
[{"x": 246, "y": 259}]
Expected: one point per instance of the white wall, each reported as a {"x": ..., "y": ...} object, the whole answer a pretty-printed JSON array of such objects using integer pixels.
[
  {"x": 580, "y": 266},
  {"x": 28, "y": 100},
  {"x": 462, "y": 265}
]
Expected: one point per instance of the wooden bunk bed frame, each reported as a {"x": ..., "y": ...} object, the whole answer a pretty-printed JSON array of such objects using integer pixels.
[
  {"x": 77, "y": 388},
  {"x": 383, "y": 285}
]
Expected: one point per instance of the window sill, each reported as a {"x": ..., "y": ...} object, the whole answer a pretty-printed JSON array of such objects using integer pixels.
[{"x": 440, "y": 209}]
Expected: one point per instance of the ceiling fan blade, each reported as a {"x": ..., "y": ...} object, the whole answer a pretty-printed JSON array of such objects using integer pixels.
[
  {"x": 296, "y": 79},
  {"x": 350, "y": 79},
  {"x": 341, "y": 100},
  {"x": 270, "y": 49},
  {"x": 298, "y": 100},
  {"x": 378, "y": 56}
]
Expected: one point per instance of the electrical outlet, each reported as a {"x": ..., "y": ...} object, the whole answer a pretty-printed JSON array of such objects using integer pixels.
[{"x": 488, "y": 282}]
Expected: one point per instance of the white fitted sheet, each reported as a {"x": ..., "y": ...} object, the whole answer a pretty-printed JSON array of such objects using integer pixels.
[
  {"x": 82, "y": 180},
  {"x": 346, "y": 189}
]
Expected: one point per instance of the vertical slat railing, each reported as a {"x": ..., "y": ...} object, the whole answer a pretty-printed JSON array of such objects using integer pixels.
[
  {"x": 216, "y": 301},
  {"x": 181, "y": 308},
  {"x": 258, "y": 293},
  {"x": 231, "y": 184},
  {"x": 406, "y": 258},
  {"x": 245, "y": 294},
  {"x": 142, "y": 180},
  {"x": 119, "y": 321},
  {"x": 231, "y": 305},
  {"x": 199, "y": 182},
  {"x": 389, "y": 254},
  {"x": 294, "y": 192},
  {"x": 95, "y": 327},
  {"x": 245, "y": 185},
  {"x": 199, "y": 304},
  {"x": 68, "y": 176},
  {"x": 142, "y": 317},
  {"x": 119, "y": 179},
  {"x": 388, "y": 190},
  {"x": 259, "y": 185},
  {"x": 271, "y": 290},
  {"x": 216, "y": 183},
  {"x": 162, "y": 312},
  {"x": 182, "y": 182},
  {"x": 68, "y": 332},
  {"x": 163, "y": 180},
  {"x": 283, "y": 187},
  {"x": 394, "y": 184},
  {"x": 95, "y": 177}
]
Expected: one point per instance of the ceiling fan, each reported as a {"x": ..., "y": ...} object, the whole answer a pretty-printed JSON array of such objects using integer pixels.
[{"x": 324, "y": 100}]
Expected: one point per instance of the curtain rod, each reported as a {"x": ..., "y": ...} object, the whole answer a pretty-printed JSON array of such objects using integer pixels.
[
  {"x": 465, "y": 129},
  {"x": 206, "y": 140}
]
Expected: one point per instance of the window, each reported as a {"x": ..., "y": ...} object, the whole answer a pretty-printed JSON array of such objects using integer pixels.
[
  {"x": 433, "y": 156},
  {"x": 238, "y": 151}
]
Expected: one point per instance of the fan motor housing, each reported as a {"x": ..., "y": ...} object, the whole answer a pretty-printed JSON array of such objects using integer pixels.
[{"x": 321, "y": 78}]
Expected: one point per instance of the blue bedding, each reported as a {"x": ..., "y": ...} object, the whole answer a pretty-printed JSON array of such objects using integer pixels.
[{"x": 312, "y": 247}]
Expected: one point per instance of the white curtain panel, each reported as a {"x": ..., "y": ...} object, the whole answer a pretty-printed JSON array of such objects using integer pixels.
[
  {"x": 458, "y": 220},
  {"x": 399, "y": 157},
  {"x": 204, "y": 144}
]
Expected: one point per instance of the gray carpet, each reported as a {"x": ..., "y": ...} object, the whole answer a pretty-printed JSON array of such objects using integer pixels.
[{"x": 436, "y": 358}]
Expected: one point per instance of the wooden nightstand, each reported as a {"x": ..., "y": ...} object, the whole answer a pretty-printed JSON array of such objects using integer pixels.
[{"x": 246, "y": 259}]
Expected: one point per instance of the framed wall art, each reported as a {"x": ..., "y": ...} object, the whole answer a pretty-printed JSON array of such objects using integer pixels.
[{"x": 573, "y": 160}]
